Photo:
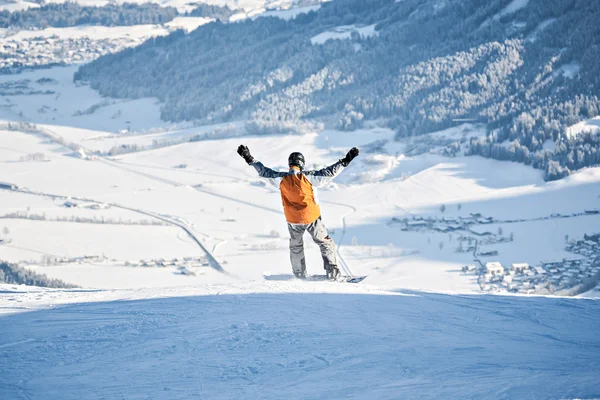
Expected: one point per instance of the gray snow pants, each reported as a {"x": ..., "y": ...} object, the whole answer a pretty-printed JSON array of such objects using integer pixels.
[{"x": 318, "y": 232}]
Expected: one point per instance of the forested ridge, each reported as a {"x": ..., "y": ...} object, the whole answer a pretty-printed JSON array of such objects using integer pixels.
[
  {"x": 527, "y": 73},
  {"x": 13, "y": 274},
  {"x": 69, "y": 14}
]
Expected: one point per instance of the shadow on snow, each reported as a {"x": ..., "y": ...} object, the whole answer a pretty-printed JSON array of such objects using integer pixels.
[{"x": 268, "y": 345}]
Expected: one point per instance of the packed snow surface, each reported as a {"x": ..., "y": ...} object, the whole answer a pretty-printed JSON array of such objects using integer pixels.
[{"x": 301, "y": 340}]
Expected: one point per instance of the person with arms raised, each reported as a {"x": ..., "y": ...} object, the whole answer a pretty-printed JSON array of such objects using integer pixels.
[{"x": 301, "y": 206}]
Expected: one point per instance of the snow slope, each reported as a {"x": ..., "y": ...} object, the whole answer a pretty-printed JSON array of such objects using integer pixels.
[
  {"x": 589, "y": 125},
  {"x": 512, "y": 7},
  {"x": 344, "y": 32},
  {"x": 240, "y": 219},
  {"x": 274, "y": 340},
  {"x": 70, "y": 105},
  {"x": 290, "y": 13},
  {"x": 17, "y": 5}
]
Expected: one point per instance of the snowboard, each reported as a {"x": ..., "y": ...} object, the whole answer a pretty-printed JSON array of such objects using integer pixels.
[{"x": 316, "y": 278}]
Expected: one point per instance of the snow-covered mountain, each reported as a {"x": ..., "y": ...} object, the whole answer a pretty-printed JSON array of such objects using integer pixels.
[{"x": 526, "y": 69}]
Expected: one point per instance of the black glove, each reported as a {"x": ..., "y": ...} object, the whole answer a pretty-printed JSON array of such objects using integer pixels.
[
  {"x": 244, "y": 152},
  {"x": 350, "y": 156}
]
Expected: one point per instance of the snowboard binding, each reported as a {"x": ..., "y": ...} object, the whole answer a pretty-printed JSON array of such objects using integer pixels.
[{"x": 333, "y": 273}]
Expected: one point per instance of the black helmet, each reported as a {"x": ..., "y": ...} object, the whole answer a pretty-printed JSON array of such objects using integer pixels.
[{"x": 296, "y": 159}]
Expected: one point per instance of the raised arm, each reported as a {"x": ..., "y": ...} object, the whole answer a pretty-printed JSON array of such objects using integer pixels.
[
  {"x": 266, "y": 172},
  {"x": 274, "y": 177},
  {"x": 323, "y": 176}
]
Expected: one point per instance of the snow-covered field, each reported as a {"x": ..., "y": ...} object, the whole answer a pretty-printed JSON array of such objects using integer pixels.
[
  {"x": 74, "y": 106},
  {"x": 589, "y": 125},
  {"x": 17, "y": 5},
  {"x": 206, "y": 187}
]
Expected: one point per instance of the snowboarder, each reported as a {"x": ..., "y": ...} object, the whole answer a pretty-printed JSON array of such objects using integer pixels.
[{"x": 301, "y": 207}]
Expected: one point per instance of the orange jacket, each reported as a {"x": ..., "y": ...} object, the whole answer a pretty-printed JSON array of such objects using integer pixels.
[{"x": 299, "y": 190}]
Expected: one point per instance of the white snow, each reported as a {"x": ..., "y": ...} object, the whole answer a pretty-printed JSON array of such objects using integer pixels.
[
  {"x": 188, "y": 23},
  {"x": 67, "y": 239},
  {"x": 95, "y": 32},
  {"x": 139, "y": 328},
  {"x": 589, "y": 125},
  {"x": 513, "y": 6},
  {"x": 570, "y": 70},
  {"x": 18, "y": 5},
  {"x": 549, "y": 145},
  {"x": 206, "y": 196},
  {"x": 90, "y": 111},
  {"x": 274, "y": 340},
  {"x": 290, "y": 13},
  {"x": 98, "y": 32},
  {"x": 344, "y": 32},
  {"x": 383, "y": 183},
  {"x": 541, "y": 26}
]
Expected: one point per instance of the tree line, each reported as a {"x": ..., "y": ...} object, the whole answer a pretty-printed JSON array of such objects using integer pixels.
[
  {"x": 68, "y": 14},
  {"x": 13, "y": 274}
]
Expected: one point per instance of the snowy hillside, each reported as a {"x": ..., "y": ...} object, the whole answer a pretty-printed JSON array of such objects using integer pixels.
[
  {"x": 403, "y": 212},
  {"x": 526, "y": 69}
]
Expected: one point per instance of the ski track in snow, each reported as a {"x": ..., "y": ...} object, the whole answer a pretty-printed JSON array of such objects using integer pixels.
[{"x": 307, "y": 341}]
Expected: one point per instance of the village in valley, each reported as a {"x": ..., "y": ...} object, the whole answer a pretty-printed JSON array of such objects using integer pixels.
[
  {"x": 180, "y": 265},
  {"x": 42, "y": 51},
  {"x": 566, "y": 276}
]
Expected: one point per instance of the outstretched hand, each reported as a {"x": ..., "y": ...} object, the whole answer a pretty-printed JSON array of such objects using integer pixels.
[
  {"x": 244, "y": 152},
  {"x": 352, "y": 154}
]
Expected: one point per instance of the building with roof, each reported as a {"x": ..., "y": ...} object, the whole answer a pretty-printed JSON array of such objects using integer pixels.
[
  {"x": 519, "y": 267},
  {"x": 494, "y": 268}
]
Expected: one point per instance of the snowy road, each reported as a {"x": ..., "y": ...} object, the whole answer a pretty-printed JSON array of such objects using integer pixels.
[{"x": 297, "y": 340}]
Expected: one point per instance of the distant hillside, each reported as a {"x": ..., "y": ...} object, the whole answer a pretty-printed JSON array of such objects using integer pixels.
[
  {"x": 72, "y": 14},
  {"x": 11, "y": 273},
  {"x": 528, "y": 69}
]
